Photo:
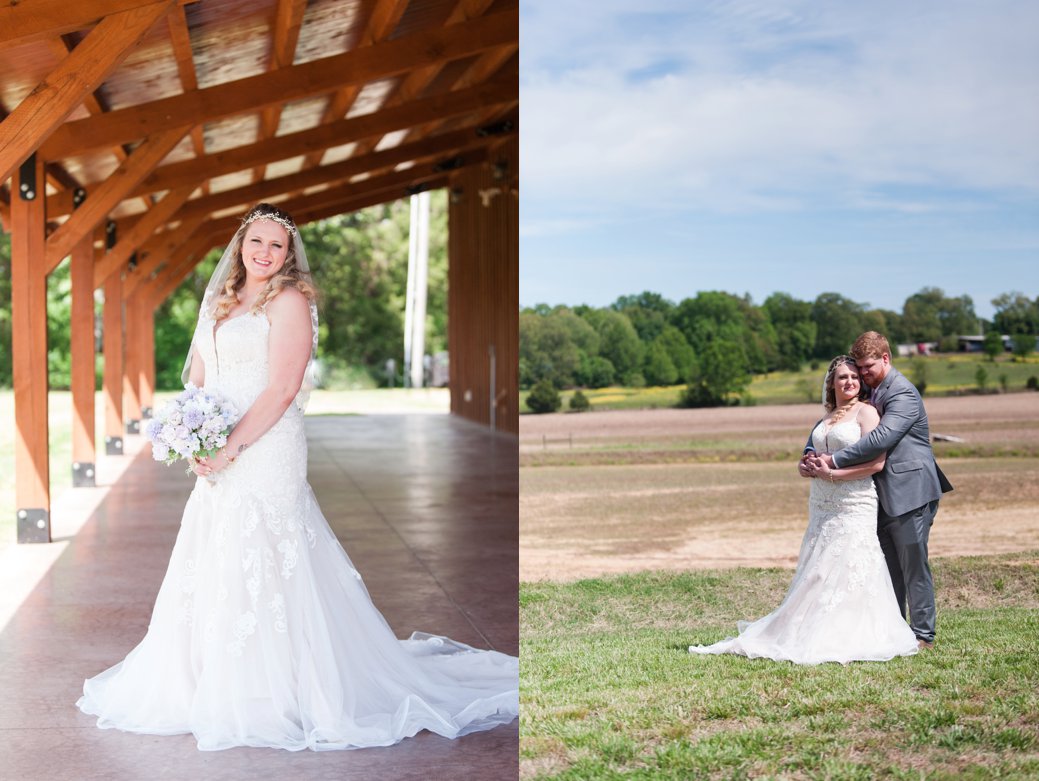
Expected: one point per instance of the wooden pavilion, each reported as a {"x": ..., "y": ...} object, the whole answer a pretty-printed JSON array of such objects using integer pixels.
[{"x": 134, "y": 134}]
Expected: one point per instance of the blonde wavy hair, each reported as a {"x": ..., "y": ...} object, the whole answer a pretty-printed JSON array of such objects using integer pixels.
[{"x": 290, "y": 274}]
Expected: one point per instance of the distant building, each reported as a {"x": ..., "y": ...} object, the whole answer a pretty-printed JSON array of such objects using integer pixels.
[{"x": 976, "y": 344}]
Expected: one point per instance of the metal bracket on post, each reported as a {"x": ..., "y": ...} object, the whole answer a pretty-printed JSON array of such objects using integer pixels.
[
  {"x": 34, "y": 525},
  {"x": 78, "y": 196},
  {"x": 113, "y": 446},
  {"x": 146, "y": 413},
  {"x": 133, "y": 426},
  {"x": 27, "y": 179},
  {"x": 83, "y": 475},
  {"x": 110, "y": 234}
]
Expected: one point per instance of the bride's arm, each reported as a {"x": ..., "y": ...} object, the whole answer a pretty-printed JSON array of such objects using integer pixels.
[
  {"x": 288, "y": 352},
  {"x": 868, "y": 420},
  {"x": 197, "y": 373}
]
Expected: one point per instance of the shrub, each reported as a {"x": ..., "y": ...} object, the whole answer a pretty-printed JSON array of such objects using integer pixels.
[
  {"x": 544, "y": 397},
  {"x": 1032, "y": 383},
  {"x": 579, "y": 402},
  {"x": 918, "y": 374},
  {"x": 981, "y": 377},
  {"x": 948, "y": 344},
  {"x": 1004, "y": 381}
]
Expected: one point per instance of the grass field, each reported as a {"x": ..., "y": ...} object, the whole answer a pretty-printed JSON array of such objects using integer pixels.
[
  {"x": 947, "y": 375},
  {"x": 645, "y": 531},
  {"x": 400, "y": 400},
  {"x": 609, "y": 692}
]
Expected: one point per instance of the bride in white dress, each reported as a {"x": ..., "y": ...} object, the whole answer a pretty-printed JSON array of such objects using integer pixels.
[
  {"x": 263, "y": 633},
  {"x": 841, "y": 606}
]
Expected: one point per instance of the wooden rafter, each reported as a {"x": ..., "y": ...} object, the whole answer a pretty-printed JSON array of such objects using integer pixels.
[
  {"x": 381, "y": 22},
  {"x": 294, "y": 83},
  {"x": 23, "y": 21},
  {"x": 127, "y": 244},
  {"x": 288, "y": 18},
  {"x": 143, "y": 160},
  {"x": 180, "y": 39},
  {"x": 188, "y": 172},
  {"x": 78, "y": 75},
  {"x": 445, "y": 146},
  {"x": 419, "y": 78}
]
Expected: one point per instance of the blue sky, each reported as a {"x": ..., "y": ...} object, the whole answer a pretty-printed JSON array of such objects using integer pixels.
[{"x": 870, "y": 149}]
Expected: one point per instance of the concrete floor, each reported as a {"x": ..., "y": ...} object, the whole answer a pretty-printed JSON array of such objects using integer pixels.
[{"x": 426, "y": 506}]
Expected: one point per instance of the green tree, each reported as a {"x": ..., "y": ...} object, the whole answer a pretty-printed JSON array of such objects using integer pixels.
[
  {"x": 721, "y": 372},
  {"x": 596, "y": 372},
  {"x": 5, "y": 310},
  {"x": 920, "y": 315},
  {"x": 543, "y": 397},
  {"x": 649, "y": 313},
  {"x": 1015, "y": 313},
  {"x": 838, "y": 322},
  {"x": 678, "y": 350},
  {"x": 579, "y": 402},
  {"x": 618, "y": 341},
  {"x": 993, "y": 344},
  {"x": 795, "y": 331},
  {"x": 547, "y": 351},
  {"x": 657, "y": 367}
]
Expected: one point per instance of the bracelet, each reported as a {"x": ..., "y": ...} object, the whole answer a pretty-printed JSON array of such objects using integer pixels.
[{"x": 229, "y": 459}]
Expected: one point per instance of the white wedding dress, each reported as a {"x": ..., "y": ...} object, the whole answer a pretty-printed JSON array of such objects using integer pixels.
[
  {"x": 841, "y": 606},
  {"x": 263, "y": 633}
]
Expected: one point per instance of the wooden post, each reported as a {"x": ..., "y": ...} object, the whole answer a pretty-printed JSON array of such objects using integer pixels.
[
  {"x": 131, "y": 365},
  {"x": 29, "y": 353},
  {"x": 112, "y": 383},
  {"x": 147, "y": 375},
  {"x": 84, "y": 457}
]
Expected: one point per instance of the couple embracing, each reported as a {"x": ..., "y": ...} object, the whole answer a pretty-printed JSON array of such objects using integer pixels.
[{"x": 874, "y": 494}]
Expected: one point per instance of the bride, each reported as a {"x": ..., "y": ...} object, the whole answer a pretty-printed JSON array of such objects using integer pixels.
[
  {"x": 263, "y": 633},
  {"x": 841, "y": 606}
]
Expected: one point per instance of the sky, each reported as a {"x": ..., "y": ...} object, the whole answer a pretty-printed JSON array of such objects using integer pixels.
[{"x": 869, "y": 149}]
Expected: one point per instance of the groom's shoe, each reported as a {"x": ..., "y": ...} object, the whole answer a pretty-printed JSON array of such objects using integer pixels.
[{"x": 924, "y": 645}]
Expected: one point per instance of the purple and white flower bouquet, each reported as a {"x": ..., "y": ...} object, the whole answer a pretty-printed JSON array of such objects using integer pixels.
[{"x": 194, "y": 425}]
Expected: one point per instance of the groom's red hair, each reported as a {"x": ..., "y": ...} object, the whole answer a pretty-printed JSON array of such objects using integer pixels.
[{"x": 869, "y": 345}]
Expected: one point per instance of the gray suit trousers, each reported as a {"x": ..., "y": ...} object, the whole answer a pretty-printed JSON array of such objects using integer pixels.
[{"x": 903, "y": 539}]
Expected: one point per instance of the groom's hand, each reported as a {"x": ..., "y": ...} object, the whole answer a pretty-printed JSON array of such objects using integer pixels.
[
  {"x": 804, "y": 467},
  {"x": 827, "y": 459}
]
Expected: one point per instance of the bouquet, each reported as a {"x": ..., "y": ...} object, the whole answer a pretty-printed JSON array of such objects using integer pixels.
[{"x": 194, "y": 425}]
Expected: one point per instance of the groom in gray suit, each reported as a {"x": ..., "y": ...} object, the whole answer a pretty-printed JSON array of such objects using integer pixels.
[{"x": 908, "y": 487}]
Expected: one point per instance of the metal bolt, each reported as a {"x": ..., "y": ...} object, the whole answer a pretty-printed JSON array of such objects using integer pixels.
[
  {"x": 22, "y": 514},
  {"x": 40, "y": 524}
]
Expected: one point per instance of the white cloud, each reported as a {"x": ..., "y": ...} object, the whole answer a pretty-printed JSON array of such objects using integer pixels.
[{"x": 744, "y": 106}]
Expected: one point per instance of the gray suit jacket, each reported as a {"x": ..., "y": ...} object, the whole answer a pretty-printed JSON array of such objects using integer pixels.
[{"x": 910, "y": 477}]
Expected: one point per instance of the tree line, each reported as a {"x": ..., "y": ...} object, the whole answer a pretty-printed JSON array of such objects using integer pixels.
[
  {"x": 359, "y": 263},
  {"x": 715, "y": 341}
]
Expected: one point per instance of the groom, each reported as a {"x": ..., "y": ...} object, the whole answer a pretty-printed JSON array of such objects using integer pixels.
[{"x": 908, "y": 487}]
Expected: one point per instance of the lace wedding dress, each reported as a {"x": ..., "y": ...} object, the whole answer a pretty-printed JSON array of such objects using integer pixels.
[
  {"x": 263, "y": 633},
  {"x": 841, "y": 605}
]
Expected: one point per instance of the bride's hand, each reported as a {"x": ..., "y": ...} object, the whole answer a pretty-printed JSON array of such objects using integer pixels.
[
  {"x": 804, "y": 465},
  {"x": 201, "y": 467}
]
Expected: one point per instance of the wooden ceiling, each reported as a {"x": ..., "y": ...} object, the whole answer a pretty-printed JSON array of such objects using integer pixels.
[{"x": 170, "y": 117}]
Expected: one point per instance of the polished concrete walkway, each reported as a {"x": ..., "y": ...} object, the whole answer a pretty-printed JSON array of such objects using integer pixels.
[{"x": 426, "y": 506}]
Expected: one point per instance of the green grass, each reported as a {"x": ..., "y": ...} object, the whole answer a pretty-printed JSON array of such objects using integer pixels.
[
  {"x": 946, "y": 375},
  {"x": 609, "y": 691}
]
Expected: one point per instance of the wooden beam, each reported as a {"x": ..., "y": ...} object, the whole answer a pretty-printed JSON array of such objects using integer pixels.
[
  {"x": 142, "y": 275},
  {"x": 445, "y": 146},
  {"x": 84, "y": 457},
  {"x": 288, "y": 18},
  {"x": 383, "y": 20},
  {"x": 499, "y": 92},
  {"x": 29, "y": 361},
  {"x": 78, "y": 75},
  {"x": 180, "y": 38},
  {"x": 131, "y": 241},
  {"x": 23, "y": 21},
  {"x": 419, "y": 78},
  {"x": 300, "y": 81},
  {"x": 105, "y": 198}
]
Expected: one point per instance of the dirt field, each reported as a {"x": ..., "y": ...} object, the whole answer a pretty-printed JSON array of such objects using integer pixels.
[{"x": 683, "y": 489}]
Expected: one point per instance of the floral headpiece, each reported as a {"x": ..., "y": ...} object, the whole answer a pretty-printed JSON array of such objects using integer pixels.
[{"x": 285, "y": 223}]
